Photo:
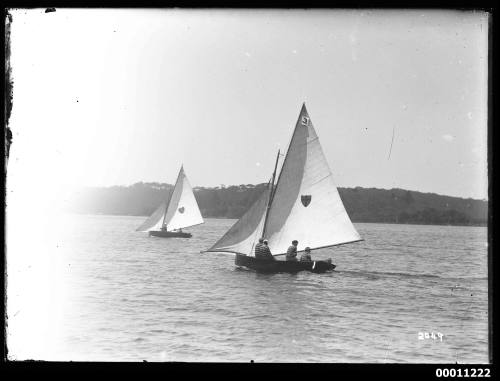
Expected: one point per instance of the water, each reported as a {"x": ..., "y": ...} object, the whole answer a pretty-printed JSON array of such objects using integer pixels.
[{"x": 124, "y": 296}]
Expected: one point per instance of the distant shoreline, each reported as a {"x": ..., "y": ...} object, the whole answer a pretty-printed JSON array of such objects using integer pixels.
[
  {"x": 235, "y": 219},
  {"x": 363, "y": 205}
]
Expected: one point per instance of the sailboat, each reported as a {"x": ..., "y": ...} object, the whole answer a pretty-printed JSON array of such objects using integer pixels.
[
  {"x": 303, "y": 205},
  {"x": 180, "y": 210}
]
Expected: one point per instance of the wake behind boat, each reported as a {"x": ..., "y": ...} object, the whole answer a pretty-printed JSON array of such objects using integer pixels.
[
  {"x": 304, "y": 205},
  {"x": 179, "y": 211}
]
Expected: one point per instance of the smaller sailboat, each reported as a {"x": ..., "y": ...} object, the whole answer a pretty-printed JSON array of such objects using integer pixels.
[{"x": 180, "y": 210}]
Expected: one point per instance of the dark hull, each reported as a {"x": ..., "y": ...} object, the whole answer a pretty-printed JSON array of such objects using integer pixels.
[
  {"x": 165, "y": 234},
  {"x": 277, "y": 266}
]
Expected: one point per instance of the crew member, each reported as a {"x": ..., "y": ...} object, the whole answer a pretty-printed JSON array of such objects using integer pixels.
[
  {"x": 291, "y": 253},
  {"x": 306, "y": 256},
  {"x": 266, "y": 252},
  {"x": 259, "y": 248}
]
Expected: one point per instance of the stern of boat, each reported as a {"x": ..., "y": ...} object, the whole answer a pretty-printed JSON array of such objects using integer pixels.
[{"x": 323, "y": 266}]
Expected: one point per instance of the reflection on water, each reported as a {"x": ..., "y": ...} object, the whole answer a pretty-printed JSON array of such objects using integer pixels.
[{"x": 130, "y": 297}]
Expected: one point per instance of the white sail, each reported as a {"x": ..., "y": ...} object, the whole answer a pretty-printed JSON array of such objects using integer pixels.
[
  {"x": 243, "y": 235},
  {"x": 155, "y": 221},
  {"x": 183, "y": 210},
  {"x": 306, "y": 205}
]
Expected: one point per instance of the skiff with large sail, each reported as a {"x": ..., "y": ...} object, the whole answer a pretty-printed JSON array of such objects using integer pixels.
[
  {"x": 303, "y": 205},
  {"x": 180, "y": 210}
]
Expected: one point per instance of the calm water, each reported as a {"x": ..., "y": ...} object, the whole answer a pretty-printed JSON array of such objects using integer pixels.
[{"x": 130, "y": 297}]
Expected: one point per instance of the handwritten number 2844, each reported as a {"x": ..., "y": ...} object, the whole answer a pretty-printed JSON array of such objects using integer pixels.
[{"x": 431, "y": 335}]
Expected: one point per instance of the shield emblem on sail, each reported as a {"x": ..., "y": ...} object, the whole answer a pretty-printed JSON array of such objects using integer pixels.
[
  {"x": 306, "y": 199},
  {"x": 181, "y": 209}
]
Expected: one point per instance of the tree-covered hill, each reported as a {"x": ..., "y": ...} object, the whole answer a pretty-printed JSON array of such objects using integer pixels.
[{"x": 362, "y": 204}]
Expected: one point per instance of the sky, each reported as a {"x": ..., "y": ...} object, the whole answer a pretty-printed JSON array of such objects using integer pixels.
[{"x": 117, "y": 96}]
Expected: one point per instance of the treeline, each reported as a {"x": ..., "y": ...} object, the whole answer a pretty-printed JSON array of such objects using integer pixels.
[
  {"x": 362, "y": 204},
  {"x": 410, "y": 207}
]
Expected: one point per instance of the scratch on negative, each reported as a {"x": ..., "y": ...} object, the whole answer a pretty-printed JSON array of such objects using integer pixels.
[{"x": 392, "y": 141}]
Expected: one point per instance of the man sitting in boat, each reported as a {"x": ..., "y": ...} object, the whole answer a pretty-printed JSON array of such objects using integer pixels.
[
  {"x": 291, "y": 253},
  {"x": 267, "y": 251},
  {"x": 262, "y": 250},
  {"x": 306, "y": 256},
  {"x": 258, "y": 248}
]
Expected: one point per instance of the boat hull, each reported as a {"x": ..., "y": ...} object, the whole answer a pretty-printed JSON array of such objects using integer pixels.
[
  {"x": 277, "y": 266},
  {"x": 165, "y": 234}
]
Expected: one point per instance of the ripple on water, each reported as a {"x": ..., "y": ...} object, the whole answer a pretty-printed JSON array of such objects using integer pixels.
[{"x": 135, "y": 297}]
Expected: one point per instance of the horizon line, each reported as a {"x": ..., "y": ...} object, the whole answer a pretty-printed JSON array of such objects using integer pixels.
[{"x": 237, "y": 185}]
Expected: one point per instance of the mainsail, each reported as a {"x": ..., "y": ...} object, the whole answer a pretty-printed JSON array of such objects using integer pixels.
[
  {"x": 180, "y": 211},
  {"x": 305, "y": 204}
]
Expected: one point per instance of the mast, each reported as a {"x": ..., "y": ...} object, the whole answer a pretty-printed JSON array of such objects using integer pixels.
[
  {"x": 170, "y": 197},
  {"x": 166, "y": 207},
  {"x": 271, "y": 194},
  {"x": 273, "y": 188}
]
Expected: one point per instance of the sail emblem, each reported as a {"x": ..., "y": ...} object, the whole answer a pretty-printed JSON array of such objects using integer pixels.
[
  {"x": 306, "y": 199},
  {"x": 181, "y": 209},
  {"x": 305, "y": 120}
]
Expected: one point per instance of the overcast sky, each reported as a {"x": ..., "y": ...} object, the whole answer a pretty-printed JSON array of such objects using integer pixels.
[{"x": 114, "y": 97}]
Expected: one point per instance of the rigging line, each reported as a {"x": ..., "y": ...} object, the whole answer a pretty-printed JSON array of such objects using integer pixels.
[
  {"x": 392, "y": 141},
  {"x": 312, "y": 140},
  {"x": 320, "y": 180},
  {"x": 307, "y": 142}
]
